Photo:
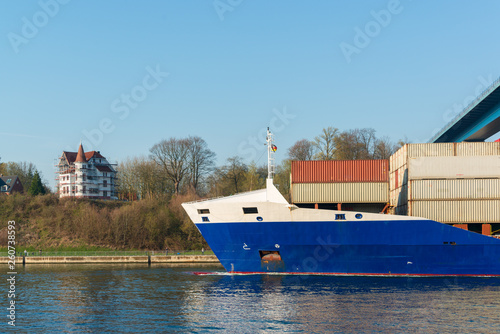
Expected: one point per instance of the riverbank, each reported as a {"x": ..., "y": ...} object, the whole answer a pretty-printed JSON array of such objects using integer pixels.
[{"x": 113, "y": 259}]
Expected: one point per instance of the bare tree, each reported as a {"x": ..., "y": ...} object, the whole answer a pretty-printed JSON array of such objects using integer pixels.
[
  {"x": 24, "y": 171},
  {"x": 142, "y": 177},
  {"x": 301, "y": 150},
  {"x": 234, "y": 173},
  {"x": 255, "y": 176},
  {"x": 366, "y": 140},
  {"x": 355, "y": 144},
  {"x": 325, "y": 144},
  {"x": 402, "y": 142},
  {"x": 347, "y": 146},
  {"x": 127, "y": 185},
  {"x": 384, "y": 148},
  {"x": 201, "y": 160},
  {"x": 172, "y": 156},
  {"x": 282, "y": 178}
]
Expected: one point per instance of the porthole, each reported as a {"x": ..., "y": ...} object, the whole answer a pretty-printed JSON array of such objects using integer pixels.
[
  {"x": 358, "y": 216},
  {"x": 259, "y": 218}
]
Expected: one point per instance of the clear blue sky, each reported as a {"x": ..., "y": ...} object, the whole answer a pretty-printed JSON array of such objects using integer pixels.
[{"x": 96, "y": 71}]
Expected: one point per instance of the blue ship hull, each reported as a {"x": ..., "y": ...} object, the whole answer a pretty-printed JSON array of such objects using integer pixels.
[{"x": 393, "y": 247}]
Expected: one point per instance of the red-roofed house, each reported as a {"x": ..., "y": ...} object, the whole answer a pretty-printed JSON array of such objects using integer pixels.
[{"x": 86, "y": 174}]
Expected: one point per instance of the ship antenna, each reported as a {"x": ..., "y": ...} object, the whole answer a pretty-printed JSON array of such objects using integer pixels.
[{"x": 271, "y": 149}]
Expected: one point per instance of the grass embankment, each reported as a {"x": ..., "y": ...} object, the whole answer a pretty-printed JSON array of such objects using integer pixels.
[{"x": 51, "y": 224}]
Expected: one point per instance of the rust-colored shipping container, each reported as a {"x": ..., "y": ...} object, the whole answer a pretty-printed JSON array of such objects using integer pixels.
[{"x": 333, "y": 171}]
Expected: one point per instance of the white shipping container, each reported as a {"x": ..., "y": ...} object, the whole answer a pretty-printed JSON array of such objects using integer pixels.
[
  {"x": 477, "y": 148},
  {"x": 398, "y": 178},
  {"x": 430, "y": 150},
  {"x": 392, "y": 197},
  {"x": 399, "y": 196},
  {"x": 454, "y": 189},
  {"x": 479, "y": 211},
  {"x": 398, "y": 159},
  {"x": 454, "y": 167},
  {"x": 391, "y": 180},
  {"x": 403, "y": 175},
  {"x": 359, "y": 192}
]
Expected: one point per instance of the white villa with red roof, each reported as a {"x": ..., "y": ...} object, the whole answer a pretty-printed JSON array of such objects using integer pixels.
[{"x": 86, "y": 175}]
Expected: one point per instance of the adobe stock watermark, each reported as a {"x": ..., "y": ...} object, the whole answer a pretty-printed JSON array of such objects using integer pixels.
[
  {"x": 31, "y": 26},
  {"x": 123, "y": 105},
  {"x": 11, "y": 292},
  {"x": 457, "y": 108},
  {"x": 322, "y": 252},
  {"x": 364, "y": 35},
  {"x": 223, "y": 6},
  {"x": 250, "y": 147}
]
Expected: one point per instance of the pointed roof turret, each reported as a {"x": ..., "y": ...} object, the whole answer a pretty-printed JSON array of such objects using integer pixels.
[{"x": 80, "y": 157}]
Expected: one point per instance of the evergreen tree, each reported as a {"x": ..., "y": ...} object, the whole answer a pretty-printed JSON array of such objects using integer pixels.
[{"x": 36, "y": 187}]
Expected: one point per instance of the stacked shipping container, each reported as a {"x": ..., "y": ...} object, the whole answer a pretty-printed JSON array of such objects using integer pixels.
[
  {"x": 341, "y": 181},
  {"x": 454, "y": 183}
]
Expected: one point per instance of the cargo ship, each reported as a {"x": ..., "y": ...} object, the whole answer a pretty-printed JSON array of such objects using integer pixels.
[{"x": 260, "y": 232}]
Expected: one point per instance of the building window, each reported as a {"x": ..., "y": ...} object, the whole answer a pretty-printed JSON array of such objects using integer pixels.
[
  {"x": 84, "y": 189},
  {"x": 105, "y": 183},
  {"x": 83, "y": 176},
  {"x": 105, "y": 193}
]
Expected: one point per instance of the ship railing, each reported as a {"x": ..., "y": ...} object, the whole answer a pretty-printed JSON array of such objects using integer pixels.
[
  {"x": 204, "y": 199},
  {"x": 217, "y": 197}
]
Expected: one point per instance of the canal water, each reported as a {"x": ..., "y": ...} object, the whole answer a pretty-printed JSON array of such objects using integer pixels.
[{"x": 169, "y": 299}]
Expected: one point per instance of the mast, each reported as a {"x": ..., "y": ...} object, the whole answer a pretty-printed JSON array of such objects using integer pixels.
[{"x": 271, "y": 149}]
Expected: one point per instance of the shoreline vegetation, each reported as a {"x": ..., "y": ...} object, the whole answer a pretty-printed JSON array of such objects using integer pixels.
[{"x": 50, "y": 224}]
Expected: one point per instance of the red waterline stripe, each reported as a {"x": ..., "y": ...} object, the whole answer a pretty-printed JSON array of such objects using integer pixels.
[{"x": 359, "y": 274}]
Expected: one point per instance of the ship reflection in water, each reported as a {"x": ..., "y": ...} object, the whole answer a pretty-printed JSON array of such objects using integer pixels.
[
  {"x": 138, "y": 298},
  {"x": 318, "y": 304}
]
